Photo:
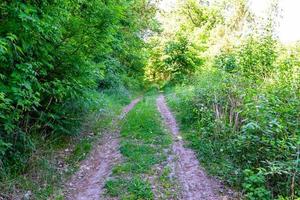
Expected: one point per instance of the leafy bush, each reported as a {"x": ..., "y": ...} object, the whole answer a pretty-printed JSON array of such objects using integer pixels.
[
  {"x": 173, "y": 62},
  {"x": 254, "y": 186},
  {"x": 256, "y": 56},
  {"x": 226, "y": 61},
  {"x": 54, "y": 55}
]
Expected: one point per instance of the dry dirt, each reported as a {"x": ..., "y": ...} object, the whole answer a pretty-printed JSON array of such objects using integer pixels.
[
  {"x": 194, "y": 182},
  {"x": 88, "y": 182}
]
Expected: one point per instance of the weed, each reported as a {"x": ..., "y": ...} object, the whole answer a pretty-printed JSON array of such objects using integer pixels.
[{"x": 80, "y": 152}]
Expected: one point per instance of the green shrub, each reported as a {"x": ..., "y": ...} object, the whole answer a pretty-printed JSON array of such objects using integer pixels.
[
  {"x": 247, "y": 119},
  {"x": 54, "y": 56},
  {"x": 254, "y": 186}
]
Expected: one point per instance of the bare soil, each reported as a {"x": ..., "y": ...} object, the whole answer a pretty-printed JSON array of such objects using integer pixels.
[
  {"x": 88, "y": 182},
  {"x": 195, "y": 183}
]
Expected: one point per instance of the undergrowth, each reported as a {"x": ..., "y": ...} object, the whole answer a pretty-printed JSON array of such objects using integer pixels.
[
  {"x": 247, "y": 137},
  {"x": 57, "y": 157}
]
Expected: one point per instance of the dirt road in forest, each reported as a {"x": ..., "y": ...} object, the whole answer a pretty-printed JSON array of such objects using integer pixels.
[
  {"x": 195, "y": 184},
  {"x": 88, "y": 182}
]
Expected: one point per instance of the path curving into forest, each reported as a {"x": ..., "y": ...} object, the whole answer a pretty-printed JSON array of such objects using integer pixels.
[
  {"x": 88, "y": 182},
  {"x": 195, "y": 184}
]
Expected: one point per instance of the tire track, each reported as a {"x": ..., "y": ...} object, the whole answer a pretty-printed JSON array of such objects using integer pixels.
[
  {"x": 88, "y": 182},
  {"x": 195, "y": 184}
]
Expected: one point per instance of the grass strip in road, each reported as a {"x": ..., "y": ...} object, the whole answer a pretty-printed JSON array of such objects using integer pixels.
[{"x": 143, "y": 145}]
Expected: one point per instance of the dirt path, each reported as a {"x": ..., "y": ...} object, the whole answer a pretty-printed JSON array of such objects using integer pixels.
[
  {"x": 88, "y": 182},
  {"x": 195, "y": 184}
]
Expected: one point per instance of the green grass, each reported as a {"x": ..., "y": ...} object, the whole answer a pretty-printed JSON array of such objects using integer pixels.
[
  {"x": 140, "y": 157},
  {"x": 143, "y": 137},
  {"x": 143, "y": 140},
  {"x": 80, "y": 151},
  {"x": 131, "y": 189}
]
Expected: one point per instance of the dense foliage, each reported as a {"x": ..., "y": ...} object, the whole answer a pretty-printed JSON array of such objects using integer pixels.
[
  {"x": 240, "y": 110},
  {"x": 173, "y": 63},
  {"x": 250, "y": 127},
  {"x": 54, "y": 55}
]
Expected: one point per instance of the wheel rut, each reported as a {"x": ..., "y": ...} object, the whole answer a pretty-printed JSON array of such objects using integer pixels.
[
  {"x": 88, "y": 182},
  {"x": 194, "y": 182}
]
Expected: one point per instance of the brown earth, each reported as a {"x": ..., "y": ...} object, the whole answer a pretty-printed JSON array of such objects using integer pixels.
[
  {"x": 195, "y": 183},
  {"x": 88, "y": 182}
]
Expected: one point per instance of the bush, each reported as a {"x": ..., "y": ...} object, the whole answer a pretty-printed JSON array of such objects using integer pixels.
[
  {"x": 254, "y": 186},
  {"x": 54, "y": 56},
  {"x": 244, "y": 121}
]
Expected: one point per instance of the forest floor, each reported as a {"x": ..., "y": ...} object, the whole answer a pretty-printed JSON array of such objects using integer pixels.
[{"x": 144, "y": 158}]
